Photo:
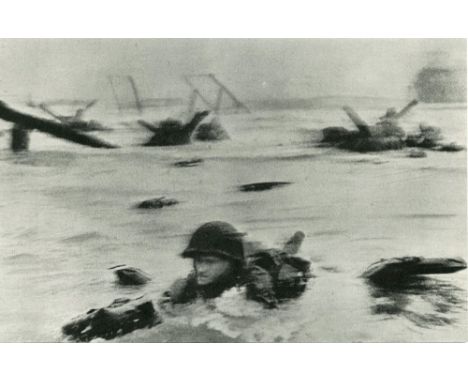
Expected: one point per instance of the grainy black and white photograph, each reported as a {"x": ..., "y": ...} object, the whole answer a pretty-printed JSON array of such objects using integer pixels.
[{"x": 233, "y": 190}]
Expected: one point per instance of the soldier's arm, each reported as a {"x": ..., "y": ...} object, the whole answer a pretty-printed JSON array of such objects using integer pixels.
[{"x": 180, "y": 292}]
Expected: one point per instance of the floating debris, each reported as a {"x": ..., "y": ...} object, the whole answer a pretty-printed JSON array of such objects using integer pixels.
[
  {"x": 398, "y": 268},
  {"x": 189, "y": 163},
  {"x": 130, "y": 276},
  {"x": 157, "y": 203},
  {"x": 122, "y": 316},
  {"x": 262, "y": 186}
]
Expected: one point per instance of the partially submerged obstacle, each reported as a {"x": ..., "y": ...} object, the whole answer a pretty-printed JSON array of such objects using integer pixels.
[
  {"x": 385, "y": 134},
  {"x": 27, "y": 122},
  {"x": 172, "y": 132},
  {"x": 430, "y": 137},
  {"x": 19, "y": 138},
  {"x": 76, "y": 121},
  {"x": 387, "y": 271},
  {"x": 211, "y": 131}
]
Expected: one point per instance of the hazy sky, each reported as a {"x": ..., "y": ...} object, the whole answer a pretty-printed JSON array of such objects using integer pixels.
[{"x": 271, "y": 68}]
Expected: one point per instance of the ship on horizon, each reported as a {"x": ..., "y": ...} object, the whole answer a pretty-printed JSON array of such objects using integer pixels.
[{"x": 439, "y": 82}]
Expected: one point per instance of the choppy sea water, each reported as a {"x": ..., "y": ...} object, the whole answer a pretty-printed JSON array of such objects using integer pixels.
[{"x": 66, "y": 216}]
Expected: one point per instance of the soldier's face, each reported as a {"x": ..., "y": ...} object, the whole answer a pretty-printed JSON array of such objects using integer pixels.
[{"x": 210, "y": 269}]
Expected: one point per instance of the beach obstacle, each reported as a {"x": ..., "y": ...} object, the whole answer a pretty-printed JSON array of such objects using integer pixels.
[
  {"x": 384, "y": 135},
  {"x": 223, "y": 90},
  {"x": 173, "y": 132},
  {"x": 19, "y": 138},
  {"x": 24, "y": 121},
  {"x": 127, "y": 95}
]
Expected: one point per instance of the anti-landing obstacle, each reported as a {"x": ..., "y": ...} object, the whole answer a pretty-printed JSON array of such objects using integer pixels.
[
  {"x": 222, "y": 90},
  {"x": 26, "y": 122}
]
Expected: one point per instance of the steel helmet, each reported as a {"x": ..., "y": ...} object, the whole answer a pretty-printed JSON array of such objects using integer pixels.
[{"x": 216, "y": 238}]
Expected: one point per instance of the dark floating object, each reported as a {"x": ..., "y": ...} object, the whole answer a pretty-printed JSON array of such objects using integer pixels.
[
  {"x": 157, "y": 203},
  {"x": 188, "y": 163},
  {"x": 262, "y": 186},
  {"x": 57, "y": 129},
  {"x": 172, "y": 132},
  {"x": 123, "y": 316},
  {"x": 399, "y": 268},
  {"x": 211, "y": 131},
  {"x": 130, "y": 276}
]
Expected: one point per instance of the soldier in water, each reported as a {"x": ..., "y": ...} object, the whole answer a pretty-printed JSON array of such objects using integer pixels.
[{"x": 219, "y": 264}]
